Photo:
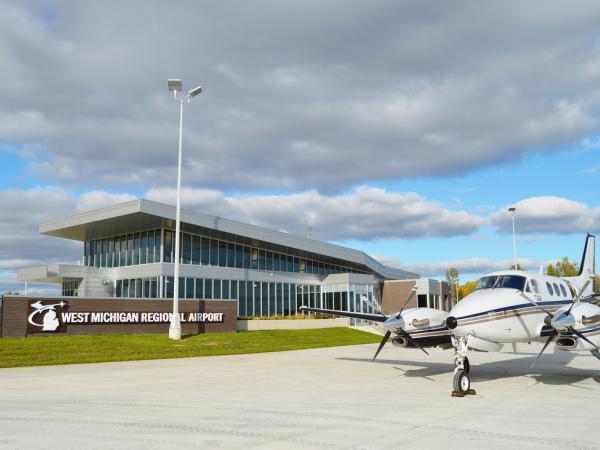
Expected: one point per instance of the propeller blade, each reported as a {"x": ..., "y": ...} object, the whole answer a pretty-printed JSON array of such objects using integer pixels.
[
  {"x": 576, "y": 299},
  {"x": 408, "y": 337},
  {"x": 574, "y": 331},
  {"x": 408, "y": 299},
  {"x": 550, "y": 339},
  {"x": 386, "y": 336}
]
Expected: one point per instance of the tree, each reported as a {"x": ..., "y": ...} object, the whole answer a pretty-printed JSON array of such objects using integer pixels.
[
  {"x": 512, "y": 267},
  {"x": 466, "y": 289},
  {"x": 563, "y": 268},
  {"x": 453, "y": 277}
]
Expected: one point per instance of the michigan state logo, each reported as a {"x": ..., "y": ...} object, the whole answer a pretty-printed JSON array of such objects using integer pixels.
[{"x": 45, "y": 317}]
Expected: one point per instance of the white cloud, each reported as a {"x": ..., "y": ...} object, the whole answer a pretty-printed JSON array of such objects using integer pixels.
[
  {"x": 466, "y": 267},
  {"x": 298, "y": 96},
  {"x": 548, "y": 214},
  {"x": 366, "y": 213}
]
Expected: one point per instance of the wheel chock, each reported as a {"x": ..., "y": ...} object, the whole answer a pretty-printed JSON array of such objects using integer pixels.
[
  {"x": 457, "y": 394},
  {"x": 472, "y": 392}
]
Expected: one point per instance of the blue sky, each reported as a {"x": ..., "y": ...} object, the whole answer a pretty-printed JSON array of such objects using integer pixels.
[{"x": 402, "y": 129}]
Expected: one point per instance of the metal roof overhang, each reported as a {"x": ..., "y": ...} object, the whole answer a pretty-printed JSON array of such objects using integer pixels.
[{"x": 140, "y": 215}]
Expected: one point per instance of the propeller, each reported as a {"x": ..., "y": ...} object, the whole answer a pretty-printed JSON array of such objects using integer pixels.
[
  {"x": 563, "y": 317},
  {"x": 400, "y": 330}
]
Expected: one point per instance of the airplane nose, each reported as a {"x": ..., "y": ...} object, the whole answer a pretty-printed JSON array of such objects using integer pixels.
[{"x": 451, "y": 322}]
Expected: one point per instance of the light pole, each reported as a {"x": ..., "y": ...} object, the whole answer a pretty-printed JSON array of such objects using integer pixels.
[
  {"x": 175, "y": 86},
  {"x": 513, "y": 210}
]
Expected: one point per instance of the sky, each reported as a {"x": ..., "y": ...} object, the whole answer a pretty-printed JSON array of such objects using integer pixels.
[{"x": 401, "y": 128}]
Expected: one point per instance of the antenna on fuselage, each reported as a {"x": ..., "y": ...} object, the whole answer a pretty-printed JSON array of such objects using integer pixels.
[{"x": 513, "y": 210}]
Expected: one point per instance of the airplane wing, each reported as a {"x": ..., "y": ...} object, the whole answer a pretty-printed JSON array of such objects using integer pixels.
[{"x": 354, "y": 315}]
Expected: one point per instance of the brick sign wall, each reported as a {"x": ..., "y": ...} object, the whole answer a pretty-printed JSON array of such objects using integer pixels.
[{"x": 25, "y": 316}]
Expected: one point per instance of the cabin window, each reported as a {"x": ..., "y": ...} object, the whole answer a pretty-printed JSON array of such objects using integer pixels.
[
  {"x": 486, "y": 283},
  {"x": 549, "y": 286},
  {"x": 556, "y": 290},
  {"x": 535, "y": 286},
  {"x": 511, "y": 282},
  {"x": 563, "y": 290}
]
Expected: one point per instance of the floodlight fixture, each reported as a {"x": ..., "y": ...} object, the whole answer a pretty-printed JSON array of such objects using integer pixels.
[
  {"x": 174, "y": 84},
  {"x": 512, "y": 209},
  {"x": 195, "y": 91}
]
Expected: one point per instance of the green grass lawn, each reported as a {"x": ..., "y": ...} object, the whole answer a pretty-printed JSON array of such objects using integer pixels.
[{"x": 50, "y": 350}]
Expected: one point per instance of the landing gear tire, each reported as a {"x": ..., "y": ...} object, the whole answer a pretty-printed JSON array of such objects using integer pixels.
[
  {"x": 467, "y": 365},
  {"x": 462, "y": 382}
]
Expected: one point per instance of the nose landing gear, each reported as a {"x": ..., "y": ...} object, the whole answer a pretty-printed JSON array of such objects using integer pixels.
[{"x": 462, "y": 381}]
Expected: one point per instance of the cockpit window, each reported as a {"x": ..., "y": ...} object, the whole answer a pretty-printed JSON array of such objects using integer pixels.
[
  {"x": 511, "y": 282},
  {"x": 486, "y": 283},
  {"x": 535, "y": 286},
  {"x": 549, "y": 286}
]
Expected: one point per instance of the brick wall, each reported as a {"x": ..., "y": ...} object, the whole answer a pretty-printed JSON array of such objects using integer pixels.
[{"x": 394, "y": 295}]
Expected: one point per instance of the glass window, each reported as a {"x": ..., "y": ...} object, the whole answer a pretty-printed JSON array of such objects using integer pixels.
[
  {"x": 510, "y": 282},
  {"x": 208, "y": 291},
  {"x": 276, "y": 262},
  {"x": 302, "y": 266},
  {"x": 293, "y": 299},
  {"x": 196, "y": 246},
  {"x": 535, "y": 286},
  {"x": 247, "y": 257},
  {"x": 234, "y": 290},
  {"x": 122, "y": 249},
  {"x": 199, "y": 288},
  {"x": 143, "y": 247},
  {"x": 549, "y": 287},
  {"x": 254, "y": 262},
  {"x": 217, "y": 289},
  {"x": 205, "y": 256},
  {"x": 563, "y": 290},
  {"x": 138, "y": 288},
  {"x": 186, "y": 248},
  {"x": 239, "y": 256},
  {"x": 230, "y": 255},
  {"x": 249, "y": 298},
  {"x": 269, "y": 261},
  {"x": 146, "y": 287},
  {"x": 86, "y": 252},
  {"x": 169, "y": 285},
  {"x": 556, "y": 288},
  {"x": 261, "y": 260},
  {"x": 151, "y": 246},
  {"x": 225, "y": 290},
  {"x": 168, "y": 246},
  {"x": 125, "y": 288},
  {"x": 154, "y": 287},
  {"x": 214, "y": 252},
  {"x": 265, "y": 299},
  {"x": 111, "y": 251},
  {"x": 290, "y": 264},
  {"x": 222, "y": 254},
  {"x": 283, "y": 259},
  {"x": 136, "y": 249},
  {"x": 189, "y": 288},
  {"x": 286, "y": 299},
  {"x": 486, "y": 282},
  {"x": 279, "y": 308},
  {"x": 256, "y": 307},
  {"x": 181, "y": 292},
  {"x": 321, "y": 269},
  {"x": 271, "y": 300},
  {"x": 242, "y": 310},
  {"x": 104, "y": 252},
  {"x": 91, "y": 254}
]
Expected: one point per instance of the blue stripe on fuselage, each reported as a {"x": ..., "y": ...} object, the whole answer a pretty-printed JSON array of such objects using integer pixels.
[{"x": 515, "y": 307}]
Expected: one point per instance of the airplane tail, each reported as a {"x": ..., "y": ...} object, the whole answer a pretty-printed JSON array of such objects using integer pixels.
[{"x": 587, "y": 268}]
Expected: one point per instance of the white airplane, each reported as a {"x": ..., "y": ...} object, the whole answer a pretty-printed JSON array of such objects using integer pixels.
[{"x": 506, "y": 307}]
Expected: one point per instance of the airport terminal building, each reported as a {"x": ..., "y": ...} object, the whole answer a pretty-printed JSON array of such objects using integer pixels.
[{"x": 128, "y": 253}]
